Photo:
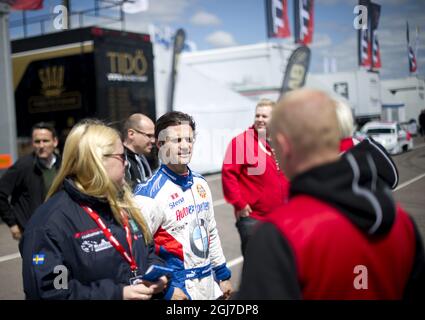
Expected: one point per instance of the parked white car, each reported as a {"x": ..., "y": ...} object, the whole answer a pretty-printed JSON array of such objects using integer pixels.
[{"x": 390, "y": 135}]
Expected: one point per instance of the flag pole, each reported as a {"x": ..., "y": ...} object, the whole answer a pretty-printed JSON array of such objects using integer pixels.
[
  {"x": 7, "y": 101},
  {"x": 408, "y": 46},
  {"x": 417, "y": 60},
  {"x": 417, "y": 51}
]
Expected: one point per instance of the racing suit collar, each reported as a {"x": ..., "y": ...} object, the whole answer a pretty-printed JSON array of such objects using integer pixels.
[{"x": 184, "y": 181}]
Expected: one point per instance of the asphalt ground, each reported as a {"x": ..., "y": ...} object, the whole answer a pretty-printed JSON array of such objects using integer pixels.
[{"x": 410, "y": 194}]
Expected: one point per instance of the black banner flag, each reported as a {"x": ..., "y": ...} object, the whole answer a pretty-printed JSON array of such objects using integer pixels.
[
  {"x": 411, "y": 54},
  {"x": 304, "y": 18},
  {"x": 277, "y": 19},
  {"x": 296, "y": 70}
]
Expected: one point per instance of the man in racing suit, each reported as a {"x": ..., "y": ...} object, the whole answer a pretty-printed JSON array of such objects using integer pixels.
[{"x": 177, "y": 204}]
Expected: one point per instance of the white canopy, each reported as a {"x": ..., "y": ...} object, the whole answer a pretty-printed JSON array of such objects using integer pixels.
[{"x": 219, "y": 113}]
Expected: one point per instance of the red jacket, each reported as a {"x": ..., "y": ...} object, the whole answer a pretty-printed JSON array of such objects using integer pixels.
[
  {"x": 251, "y": 176},
  {"x": 332, "y": 247},
  {"x": 347, "y": 143}
]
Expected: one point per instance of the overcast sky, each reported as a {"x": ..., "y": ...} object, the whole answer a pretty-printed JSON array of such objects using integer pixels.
[{"x": 224, "y": 23}]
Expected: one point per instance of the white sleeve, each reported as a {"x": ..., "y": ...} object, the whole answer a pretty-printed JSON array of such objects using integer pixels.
[
  {"x": 216, "y": 252},
  {"x": 151, "y": 212}
]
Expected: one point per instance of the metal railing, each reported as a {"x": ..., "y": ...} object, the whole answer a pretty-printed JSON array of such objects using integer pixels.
[{"x": 39, "y": 25}]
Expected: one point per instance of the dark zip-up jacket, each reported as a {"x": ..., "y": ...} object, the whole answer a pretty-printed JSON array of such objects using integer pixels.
[
  {"x": 137, "y": 170},
  {"x": 24, "y": 184},
  {"x": 61, "y": 233}
]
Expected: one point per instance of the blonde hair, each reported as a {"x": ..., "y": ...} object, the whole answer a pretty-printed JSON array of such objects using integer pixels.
[
  {"x": 265, "y": 103},
  {"x": 345, "y": 119},
  {"x": 84, "y": 149}
]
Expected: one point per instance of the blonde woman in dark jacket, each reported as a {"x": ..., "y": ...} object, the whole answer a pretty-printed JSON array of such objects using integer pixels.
[{"x": 89, "y": 239}]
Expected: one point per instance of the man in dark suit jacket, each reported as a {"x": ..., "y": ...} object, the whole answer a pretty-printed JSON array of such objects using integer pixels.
[{"x": 24, "y": 186}]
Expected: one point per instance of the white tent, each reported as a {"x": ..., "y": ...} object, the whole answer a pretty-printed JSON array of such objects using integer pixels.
[{"x": 219, "y": 113}]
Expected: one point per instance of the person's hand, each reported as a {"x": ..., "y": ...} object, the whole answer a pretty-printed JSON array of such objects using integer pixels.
[
  {"x": 137, "y": 292},
  {"x": 16, "y": 232},
  {"x": 158, "y": 286},
  {"x": 227, "y": 288},
  {"x": 178, "y": 294},
  {"x": 244, "y": 212}
]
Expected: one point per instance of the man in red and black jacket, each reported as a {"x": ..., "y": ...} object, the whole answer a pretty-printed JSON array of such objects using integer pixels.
[
  {"x": 252, "y": 180},
  {"x": 341, "y": 235}
]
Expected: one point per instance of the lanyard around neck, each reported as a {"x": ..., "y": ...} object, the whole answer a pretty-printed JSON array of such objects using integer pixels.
[{"x": 127, "y": 256}]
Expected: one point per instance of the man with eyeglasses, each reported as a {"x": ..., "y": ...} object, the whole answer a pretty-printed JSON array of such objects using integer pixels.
[
  {"x": 139, "y": 138},
  {"x": 178, "y": 206}
]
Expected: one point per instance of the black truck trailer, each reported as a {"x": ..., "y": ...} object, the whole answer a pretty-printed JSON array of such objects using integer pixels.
[{"x": 89, "y": 72}]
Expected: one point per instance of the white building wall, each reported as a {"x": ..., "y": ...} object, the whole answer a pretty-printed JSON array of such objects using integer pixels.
[
  {"x": 393, "y": 109},
  {"x": 360, "y": 88},
  {"x": 257, "y": 71},
  {"x": 411, "y": 92},
  {"x": 254, "y": 70}
]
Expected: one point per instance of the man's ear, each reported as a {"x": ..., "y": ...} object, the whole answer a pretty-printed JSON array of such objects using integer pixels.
[
  {"x": 159, "y": 144},
  {"x": 130, "y": 134},
  {"x": 55, "y": 141}
]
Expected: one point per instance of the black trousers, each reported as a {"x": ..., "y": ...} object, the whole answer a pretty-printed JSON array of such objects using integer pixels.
[{"x": 246, "y": 227}]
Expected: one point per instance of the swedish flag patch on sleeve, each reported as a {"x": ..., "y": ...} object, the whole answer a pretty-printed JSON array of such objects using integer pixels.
[{"x": 38, "y": 259}]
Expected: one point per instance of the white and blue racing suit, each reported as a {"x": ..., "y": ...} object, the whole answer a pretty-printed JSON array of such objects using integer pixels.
[{"x": 179, "y": 211}]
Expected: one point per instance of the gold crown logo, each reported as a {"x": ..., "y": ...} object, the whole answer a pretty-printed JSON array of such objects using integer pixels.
[{"x": 52, "y": 80}]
